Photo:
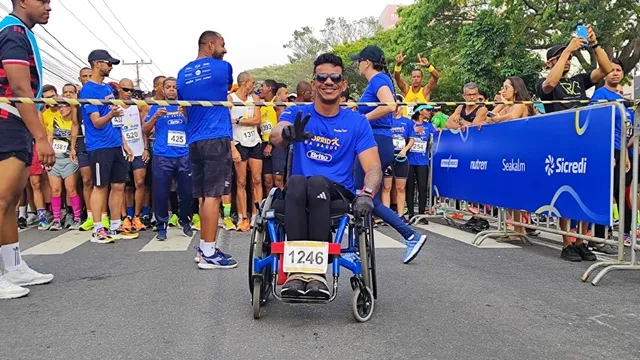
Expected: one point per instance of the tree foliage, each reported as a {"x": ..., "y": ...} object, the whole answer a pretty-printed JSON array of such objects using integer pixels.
[{"x": 289, "y": 74}]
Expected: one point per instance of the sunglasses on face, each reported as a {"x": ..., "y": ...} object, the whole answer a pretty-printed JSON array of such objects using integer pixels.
[
  {"x": 129, "y": 90},
  {"x": 322, "y": 78},
  {"x": 106, "y": 62}
]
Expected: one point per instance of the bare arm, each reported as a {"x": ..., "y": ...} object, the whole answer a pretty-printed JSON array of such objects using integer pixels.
[
  {"x": 481, "y": 116},
  {"x": 452, "y": 121},
  {"x": 517, "y": 112},
  {"x": 148, "y": 126},
  {"x": 384, "y": 95},
  {"x": 19, "y": 78},
  {"x": 604, "y": 66},
  {"x": 404, "y": 88},
  {"x": 370, "y": 161},
  {"x": 100, "y": 122},
  {"x": 75, "y": 128},
  {"x": 257, "y": 116},
  {"x": 431, "y": 86}
]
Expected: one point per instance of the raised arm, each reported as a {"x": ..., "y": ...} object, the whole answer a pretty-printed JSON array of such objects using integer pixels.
[{"x": 398, "y": 76}]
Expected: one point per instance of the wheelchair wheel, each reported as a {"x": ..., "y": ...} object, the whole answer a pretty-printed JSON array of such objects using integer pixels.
[
  {"x": 367, "y": 256},
  {"x": 259, "y": 245},
  {"x": 256, "y": 300},
  {"x": 362, "y": 304}
]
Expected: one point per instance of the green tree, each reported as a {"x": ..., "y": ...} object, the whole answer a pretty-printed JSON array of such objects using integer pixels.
[{"x": 289, "y": 74}]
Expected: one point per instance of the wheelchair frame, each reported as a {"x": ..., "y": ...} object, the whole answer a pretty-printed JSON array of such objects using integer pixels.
[{"x": 267, "y": 247}]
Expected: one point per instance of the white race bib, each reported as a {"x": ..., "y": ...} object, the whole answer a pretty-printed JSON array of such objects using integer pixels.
[
  {"x": 266, "y": 127},
  {"x": 249, "y": 135},
  {"x": 132, "y": 136},
  {"x": 410, "y": 110},
  {"x": 419, "y": 146},
  {"x": 310, "y": 257},
  {"x": 117, "y": 122},
  {"x": 176, "y": 138},
  {"x": 399, "y": 143},
  {"x": 60, "y": 146}
]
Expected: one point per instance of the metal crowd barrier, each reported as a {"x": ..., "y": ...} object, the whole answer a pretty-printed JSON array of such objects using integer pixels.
[{"x": 438, "y": 208}]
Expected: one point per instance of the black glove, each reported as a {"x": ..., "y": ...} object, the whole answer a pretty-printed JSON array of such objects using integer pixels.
[
  {"x": 295, "y": 132},
  {"x": 362, "y": 205}
]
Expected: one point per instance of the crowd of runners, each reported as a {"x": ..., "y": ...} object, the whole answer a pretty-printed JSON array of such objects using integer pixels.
[{"x": 115, "y": 171}]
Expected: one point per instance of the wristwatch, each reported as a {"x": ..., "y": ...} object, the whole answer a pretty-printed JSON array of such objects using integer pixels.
[
  {"x": 368, "y": 191},
  {"x": 237, "y": 121}
]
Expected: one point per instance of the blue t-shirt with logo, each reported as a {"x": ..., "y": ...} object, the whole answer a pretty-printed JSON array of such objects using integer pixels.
[
  {"x": 419, "y": 153},
  {"x": 383, "y": 125},
  {"x": 605, "y": 94},
  {"x": 107, "y": 136},
  {"x": 402, "y": 131},
  {"x": 336, "y": 143},
  {"x": 206, "y": 79},
  {"x": 171, "y": 132}
]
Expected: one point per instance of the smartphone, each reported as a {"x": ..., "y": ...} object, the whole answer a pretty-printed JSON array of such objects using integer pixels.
[{"x": 581, "y": 31}]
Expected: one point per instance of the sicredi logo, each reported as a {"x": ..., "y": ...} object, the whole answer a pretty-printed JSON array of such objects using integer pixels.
[
  {"x": 316, "y": 155},
  {"x": 562, "y": 166},
  {"x": 478, "y": 165},
  {"x": 513, "y": 165},
  {"x": 449, "y": 163}
]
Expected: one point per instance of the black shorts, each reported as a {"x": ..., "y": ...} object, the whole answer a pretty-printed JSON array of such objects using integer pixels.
[
  {"x": 136, "y": 164},
  {"x": 247, "y": 153},
  {"x": 397, "y": 170},
  {"x": 211, "y": 167},
  {"x": 83, "y": 159},
  {"x": 278, "y": 161},
  {"x": 109, "y": 166},
  {"x": 23, "y": 156}
]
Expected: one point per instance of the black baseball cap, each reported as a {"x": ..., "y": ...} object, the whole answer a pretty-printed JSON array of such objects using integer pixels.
[
  {"x": 555, "y": 51},
  {"x": 372, "y": 53},
  {"x": 102, "y": 55}
]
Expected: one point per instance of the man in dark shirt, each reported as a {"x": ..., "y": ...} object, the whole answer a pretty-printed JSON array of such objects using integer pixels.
[
  {"x": 20, "y": 76},
  {"x": 559, "y": 86}
]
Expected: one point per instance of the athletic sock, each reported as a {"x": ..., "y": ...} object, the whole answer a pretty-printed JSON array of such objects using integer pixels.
[
  {"x": 208, "y": 248},
  {"x": 145, "y": 211},
  {"x": 11, "y": 256},
  {"x": 226, "y": 210},
  {"x": 22, "y": 212},
  {"x": 115, "y": 224},
  {"x": 130, "y": 211}
]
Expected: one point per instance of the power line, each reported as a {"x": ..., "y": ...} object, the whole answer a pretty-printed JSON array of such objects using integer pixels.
[
  {"x": 61, "y": 44},
  {"x": 89, "y": 30},
  {"x": 131, "y": 36}
]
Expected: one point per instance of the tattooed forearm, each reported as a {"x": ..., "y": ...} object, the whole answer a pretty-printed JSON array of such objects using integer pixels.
[{"x": 373, "y": 178}]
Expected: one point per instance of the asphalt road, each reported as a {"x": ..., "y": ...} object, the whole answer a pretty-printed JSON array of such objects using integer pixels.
[{"x": 455, "y": 301}]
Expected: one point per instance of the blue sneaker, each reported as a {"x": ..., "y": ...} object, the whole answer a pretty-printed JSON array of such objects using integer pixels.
[
  {"x": 187, "y": 230},
  {"x": 199, "y": 254},
  {"x": 161, "y": 235},
  {"x": 414, "y": 244},
  {"x": 216, "y": 261}
]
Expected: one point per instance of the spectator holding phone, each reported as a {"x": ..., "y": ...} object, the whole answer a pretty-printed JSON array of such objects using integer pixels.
[{"x": 559, "y": 86}]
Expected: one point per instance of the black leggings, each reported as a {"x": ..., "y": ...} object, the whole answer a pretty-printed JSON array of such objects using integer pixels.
[
  {"x": 419, "y": 173},
  {"x": 307, "y": 213}
]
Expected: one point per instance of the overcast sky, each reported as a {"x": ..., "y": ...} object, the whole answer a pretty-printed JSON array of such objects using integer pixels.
[{"x": 254, "y": 31}]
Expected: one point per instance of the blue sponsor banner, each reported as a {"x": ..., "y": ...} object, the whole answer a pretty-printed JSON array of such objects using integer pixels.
[{"x": 559, "y": 164}]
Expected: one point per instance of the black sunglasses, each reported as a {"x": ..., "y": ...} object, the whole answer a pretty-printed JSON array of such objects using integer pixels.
[
  {"x": 335, "y": 78},
  {"x": 127, "y": 89}
]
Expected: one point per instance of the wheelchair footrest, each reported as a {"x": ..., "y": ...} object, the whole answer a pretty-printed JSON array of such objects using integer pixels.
[
  {"x": 305, "y": 299},
  {"x": 278, "y": 248}
]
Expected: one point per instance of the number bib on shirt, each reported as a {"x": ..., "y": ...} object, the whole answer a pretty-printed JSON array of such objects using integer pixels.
[
  {"x": 266, "y": 128},
  {"x": 419, "y": 146},
  {"x": 249, "y": 134},
  {"x": 60, "y": 146},
  {"x": 132, "y": 136},
  {"x": 117, "y": 122},
  {"x": 399, "y": 143},
  {"x": 410, "y": 111},
  {"x": 176, "y": 138},
  {"x": 309, "y": 257}
]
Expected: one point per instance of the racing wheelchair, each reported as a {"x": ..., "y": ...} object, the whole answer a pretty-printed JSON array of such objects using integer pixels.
[{"x": 271, "y": 256}]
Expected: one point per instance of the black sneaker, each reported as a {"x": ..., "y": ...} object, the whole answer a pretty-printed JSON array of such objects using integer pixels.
[
  {"x": 584, "y": 253},
  {"x": 318, "y": 289},
  {"x": 293, "y": 288},
  {"x": 570, "y": 253},
  {"x": 469, "y": 224},
  {"x": 22, "y": 223},
  {"x": 481, "y": 225}
]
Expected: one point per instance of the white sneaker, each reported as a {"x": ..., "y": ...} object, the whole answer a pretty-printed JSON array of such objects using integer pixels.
[
  {"x": 26, "y": 276},
  {"x": 11, "y": 291}
]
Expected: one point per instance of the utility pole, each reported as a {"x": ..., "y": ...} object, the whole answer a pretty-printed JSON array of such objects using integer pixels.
[{"x": 137, "y": 64}]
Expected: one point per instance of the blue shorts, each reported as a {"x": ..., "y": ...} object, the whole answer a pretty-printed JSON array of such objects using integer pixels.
[
  {"x": 161, "y": 165},
  {"x": 83, "y": 159}
]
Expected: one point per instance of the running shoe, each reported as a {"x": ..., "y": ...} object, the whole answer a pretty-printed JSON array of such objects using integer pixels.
[
  {"x": 216, "y": 261},
  {"x": 228, "y": 224},
  {"x": 101, "y": 237},
  {"x": 55, "y": 225},
  {"x": 26, "y": 276},
  {"x": 173, "y": 221},
  {"x": 244, "y": 225},
  {"x": 87, "y": 225},
  {"x": 414, "y": 245},
  {"x": 44, "y": 224},
  {"x": 138, "y": 225},
  {"x": 9, "y": 290}
]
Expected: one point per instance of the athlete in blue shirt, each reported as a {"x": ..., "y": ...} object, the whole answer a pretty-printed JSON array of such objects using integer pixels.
[
  {"x": 373, "y": 66},
  {"x": 326, "y": 142},
  {"x": 209, "y": 138},
  {"x": 170, "y": 160},
  {"x": 21, "y": 76},
  {"x": 419, "y": 158}
]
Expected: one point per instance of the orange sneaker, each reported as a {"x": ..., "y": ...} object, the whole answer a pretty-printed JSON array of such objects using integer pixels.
[
  {"x": 244, "y": 225},
  {"x": 138, "y": 225},
  {"x": 126, "y": 224}
]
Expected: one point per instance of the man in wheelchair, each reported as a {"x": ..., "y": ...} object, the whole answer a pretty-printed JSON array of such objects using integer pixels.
[{"x": 326, "y": 140}]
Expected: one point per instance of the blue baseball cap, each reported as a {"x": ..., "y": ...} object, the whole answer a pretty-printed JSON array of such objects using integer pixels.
[{"x": 423, "y": 107}]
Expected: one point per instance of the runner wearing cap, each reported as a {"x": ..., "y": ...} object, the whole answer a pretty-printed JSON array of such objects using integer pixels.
[
  {"x": 21, "y": 76},
  {"x": 209, "y": 136},
  {"x": 372, "y": 65},
  {"x": 415, "y": 92},
  {"x": 104, "y": 146}
]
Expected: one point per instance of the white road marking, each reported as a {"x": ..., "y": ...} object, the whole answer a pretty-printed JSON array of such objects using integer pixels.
[
  {"x": 466, "y": 237},
  {"x": 176, "y": 241},
  {"x": 60, "y": 244}
]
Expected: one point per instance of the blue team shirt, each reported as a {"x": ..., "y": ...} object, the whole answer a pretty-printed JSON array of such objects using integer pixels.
[
  {"x": 206, "y": 79},
  {"x": 419, "y": 153},
  {"x": 333, "y": 150},
  {"x": 171, "y": 132},
  {"x": 108, "y": 136},
  {"x": 605, "y": 94},
  {"x": 383, "y": 125},
  {"x": 402, "y": 131}
]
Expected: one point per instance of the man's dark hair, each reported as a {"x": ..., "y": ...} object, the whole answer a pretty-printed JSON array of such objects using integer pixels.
[
  {"x": 282, "y": 85},
  {"x": 618, "y": 62},
  {"x": 157, "y": 78},
  {"x": 49, "y": 87},
  {"x": 170, "y": 78},
  {"x": 207, "y": 36},
  {"x": 69, "y": 84},
  {"x": 482, "y": 93},
  {"x": 273, "y": 85},
  {"x": 328, "y": 58},
  {"x": 83, "y": 69},
  {"x": 417, "y": 69}
]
